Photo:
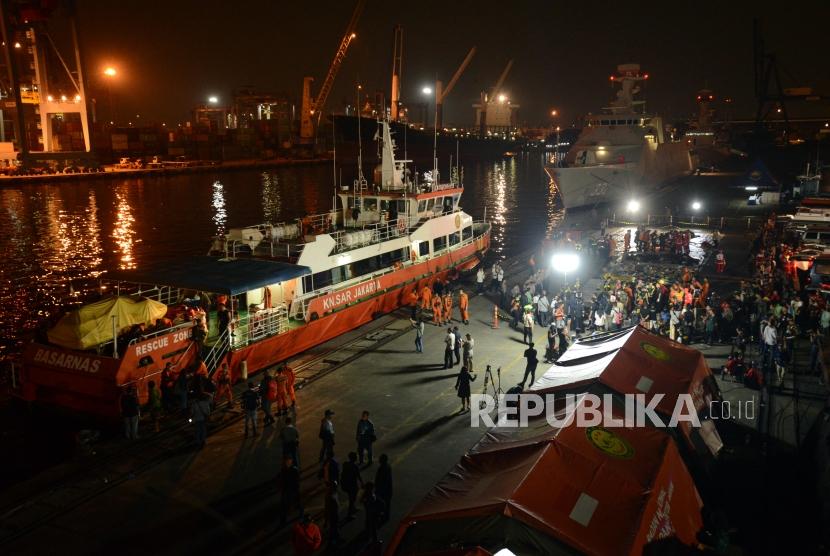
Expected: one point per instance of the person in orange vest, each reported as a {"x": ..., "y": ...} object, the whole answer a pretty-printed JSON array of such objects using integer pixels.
[
  {"x": 290, "y": 378},
  {"x": 412, "y": 301},
  {"x": 282, "y": 392},
  {"x": 463, "y": 306},
  {"x": 305, "y": 537},
  {"x": 448, "y": 307},
  {"x": 437, "y": 311},
  {"x": 426, "y": 298},
  {"x": 223, "y": 386}
]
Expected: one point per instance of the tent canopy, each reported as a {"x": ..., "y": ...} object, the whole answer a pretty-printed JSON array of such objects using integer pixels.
[
  {"x": 634, "y": 361},
  {"x": 211, "y": 274},
  {"x": 91, "y": 325},
  {"x": 553, "y": 490}
]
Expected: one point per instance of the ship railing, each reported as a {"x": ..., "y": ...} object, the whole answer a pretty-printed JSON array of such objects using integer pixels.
[
  {"x": 162, "y": 332},
  {"x": 346, "y": 240},
  {"x": 217, "y": 351},
  {"x": 168, "y": 295},
  {"x": 273, "y": 249},
  {"x": 262, "y": 324},
  {"x": 687, "y": 221}
]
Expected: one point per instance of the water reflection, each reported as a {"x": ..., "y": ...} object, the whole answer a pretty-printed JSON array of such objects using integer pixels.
[
  {"x": 220, "y": 213},
  {"x": 58, "y": 239},
  {"x": 123, "y": 231},
  {"x": 555, "y": 209},
  {"x": 271, "y": 198}
]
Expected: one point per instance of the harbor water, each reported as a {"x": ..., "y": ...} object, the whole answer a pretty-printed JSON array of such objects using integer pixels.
[{"x": 60, "y": 239}]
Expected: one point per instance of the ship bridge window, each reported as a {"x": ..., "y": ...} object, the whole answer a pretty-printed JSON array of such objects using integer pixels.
[
  {"x": 455, "y": 238},
  {"x": 448, "y": 204},
  {"x": 422, "y": 206},
  {"x": 604, "y": 122},
  {"x": 439, "y": 244},
  {"x": 370, "y": 204},
  {"x": 423, "y": 248},
  {"x": 467, "y": 233},
  {"x": 455, "y": 199},
  {"x": 430, "y": 204}
]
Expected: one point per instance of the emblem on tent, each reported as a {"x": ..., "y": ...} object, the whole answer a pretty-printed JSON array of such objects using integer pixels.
[
  {"x": 655, "y": 351},
  {"x": 606, "y": 441}
]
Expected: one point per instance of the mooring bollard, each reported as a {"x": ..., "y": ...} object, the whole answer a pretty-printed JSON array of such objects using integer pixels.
[{"x": 495, "y": 316}]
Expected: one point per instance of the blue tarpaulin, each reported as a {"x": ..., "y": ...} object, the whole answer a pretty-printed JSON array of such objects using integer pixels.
[{"x": 211, "y": 274}]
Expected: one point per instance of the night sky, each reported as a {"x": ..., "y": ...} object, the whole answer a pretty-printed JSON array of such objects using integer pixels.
[{"x": 173, "y": 55}]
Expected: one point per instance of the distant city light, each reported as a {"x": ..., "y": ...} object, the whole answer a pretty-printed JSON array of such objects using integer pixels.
[
  {"x": 77, "y": 98},
  {"x": 17, "y": 45},
  {"x": 427, "y": 90},
  {"x": 554, "y": 112},
  {"x": 50, "y": 98},
  {"x": 213, "y": 99},
  {"x": 63, "y": 98}
]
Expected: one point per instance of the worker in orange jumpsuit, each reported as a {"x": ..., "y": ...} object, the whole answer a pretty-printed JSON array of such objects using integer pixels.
[
  {"x": 223, "y": 386},
  {"x": 463, "y": 306},
  {"x": 448, "y": 307},
  {"x": 412, "y": 301},
  {"x": 426, "y": 298},
  {"x": 282, "y": 392},
  {"x": 437, "y": 311},
  {"x": 290, "y": 378}
]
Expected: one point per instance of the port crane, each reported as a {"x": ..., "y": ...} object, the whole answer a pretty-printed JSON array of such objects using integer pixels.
[
  {"x": 312, "y": 108},
  {"x": 494, "y": 97},
  {"x": 441, "y": 93}
]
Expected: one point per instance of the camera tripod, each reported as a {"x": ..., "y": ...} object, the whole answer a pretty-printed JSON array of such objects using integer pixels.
[{"x": 495, "y": 385}]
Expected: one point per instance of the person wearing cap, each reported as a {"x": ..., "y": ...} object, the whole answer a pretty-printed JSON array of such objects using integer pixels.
[{"x": 326, "y": 436}]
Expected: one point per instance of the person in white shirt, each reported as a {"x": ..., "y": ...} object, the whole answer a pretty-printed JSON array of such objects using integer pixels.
[
  {"x": 527, "y": 322},
  {"x": 449, "y": 348},
  {"x": 543, "y": 307},
  {"x": 770, "y": 336},
  {"x": 480, "y": 280}
]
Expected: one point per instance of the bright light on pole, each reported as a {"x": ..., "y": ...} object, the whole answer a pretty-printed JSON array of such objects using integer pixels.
[
  {"x": 110, "y": 72},
  {"x": 213, "y": 99},
  {"x": 427, "y": 90},
  {"x": 696, "y": 205},
  {"x": 633, "y": 205},
  {"x": 565, "y": 263},
  {"x": 502, "y": 98}
]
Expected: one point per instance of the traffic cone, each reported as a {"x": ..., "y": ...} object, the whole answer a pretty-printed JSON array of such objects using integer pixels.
[{"x": 495, "y": 316}]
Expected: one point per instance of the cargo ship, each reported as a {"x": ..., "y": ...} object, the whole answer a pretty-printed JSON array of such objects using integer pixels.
[
  {"x": 621, "y": 153},
  {"x": 263, "y": 293}
]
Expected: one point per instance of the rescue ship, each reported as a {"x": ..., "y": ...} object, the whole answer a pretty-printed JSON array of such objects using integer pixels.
[{"x": 280, "y": 288}]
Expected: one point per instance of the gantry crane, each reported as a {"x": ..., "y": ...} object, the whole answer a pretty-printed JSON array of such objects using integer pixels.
[
  {"x": 312, "y": 109},
  {"x": 441, "y": 93}
]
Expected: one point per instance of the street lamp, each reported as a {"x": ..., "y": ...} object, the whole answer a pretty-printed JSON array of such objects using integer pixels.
[
  {"x": 696, "y": 205},
  {"x": 427, "y": 90},
  {"x": 109, "y": 74},
  {"x": 633, "y": 205},
  {"x": 213, "y": 99}
]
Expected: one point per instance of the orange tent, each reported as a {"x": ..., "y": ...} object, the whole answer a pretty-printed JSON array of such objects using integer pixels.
[
  {"x": 635, "y": 361},
  {"x": 558, "y": 491}
]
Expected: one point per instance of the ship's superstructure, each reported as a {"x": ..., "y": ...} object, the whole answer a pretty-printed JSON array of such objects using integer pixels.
[{"x": 622, "y": 152}]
